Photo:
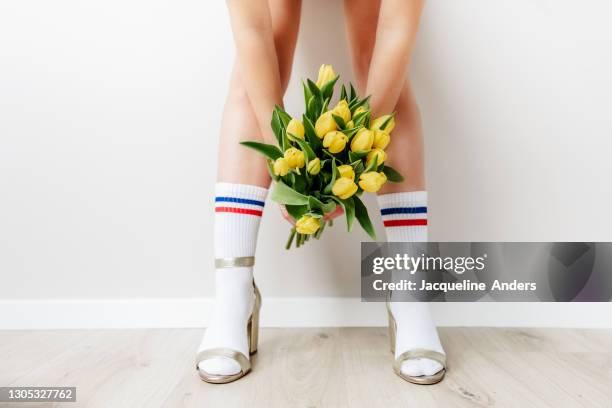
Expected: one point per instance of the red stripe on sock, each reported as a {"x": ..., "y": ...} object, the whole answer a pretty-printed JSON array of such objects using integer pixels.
[
  {"x": 239, "y": 211},
  {"x": 405, "y": 223}
]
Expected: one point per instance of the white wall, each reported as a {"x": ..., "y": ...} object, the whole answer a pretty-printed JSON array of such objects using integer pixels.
[{"x": 109, "y": 117}]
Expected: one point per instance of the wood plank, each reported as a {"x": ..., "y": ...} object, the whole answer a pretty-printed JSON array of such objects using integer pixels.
[{"x": 330, "y": 367}]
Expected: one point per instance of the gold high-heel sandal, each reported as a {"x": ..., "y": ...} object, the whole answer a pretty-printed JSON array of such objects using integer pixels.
[
  {"x": 414, "y": 354},
  {"x": 252, "y": 333}
]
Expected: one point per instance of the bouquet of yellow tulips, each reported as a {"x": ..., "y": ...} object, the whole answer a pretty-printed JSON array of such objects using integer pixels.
[{"x": 328, "y": 159}]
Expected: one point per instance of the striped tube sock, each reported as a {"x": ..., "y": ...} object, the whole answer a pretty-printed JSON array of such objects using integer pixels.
[
  {"x": 238, "y": 211},
  {"x": 404, "y": 216},
  {"x": 405, "y": 219}
]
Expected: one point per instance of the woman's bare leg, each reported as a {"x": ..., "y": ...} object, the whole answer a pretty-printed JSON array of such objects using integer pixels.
[
  {"x": 238, "y": 164},
  {"x": 406, "y": 154},
  {"x": 242, "y": 185}
]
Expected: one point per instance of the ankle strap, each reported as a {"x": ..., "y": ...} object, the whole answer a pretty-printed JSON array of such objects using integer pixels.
[{"x": 240, "y": 261}]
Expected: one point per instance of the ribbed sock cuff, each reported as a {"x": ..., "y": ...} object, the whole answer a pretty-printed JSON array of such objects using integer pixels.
[
  {"x": 238, "y": 211},
  {"x": 242, "y": 190},
  {"x": 404, "y": 216}
]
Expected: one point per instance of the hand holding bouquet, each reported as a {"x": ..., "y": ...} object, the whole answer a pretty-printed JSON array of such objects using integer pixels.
[{"x": 328, "y": 159}]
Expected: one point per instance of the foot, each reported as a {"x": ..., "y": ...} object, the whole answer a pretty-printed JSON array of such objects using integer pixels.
[
  {"x": 416, "y": 330},
  {"x": 234, "y": 300}
]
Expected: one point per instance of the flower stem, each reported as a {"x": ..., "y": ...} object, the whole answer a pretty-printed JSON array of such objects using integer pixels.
[
  {"x": 290, "y": 240},
  {"x": 320, "y": 231}
]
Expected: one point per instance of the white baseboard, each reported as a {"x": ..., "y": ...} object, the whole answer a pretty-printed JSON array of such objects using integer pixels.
[{"x": 287, "y": 312}]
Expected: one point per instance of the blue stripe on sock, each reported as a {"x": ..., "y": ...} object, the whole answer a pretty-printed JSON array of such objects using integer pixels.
[
  {"x": 403, "y": 210},
  {"x": 239, "y": 200}
]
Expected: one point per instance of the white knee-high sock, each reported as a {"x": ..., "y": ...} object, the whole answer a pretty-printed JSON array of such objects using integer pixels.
[
  {"x": 405, "y": 219},
  {"x": 238, "y": 211}
]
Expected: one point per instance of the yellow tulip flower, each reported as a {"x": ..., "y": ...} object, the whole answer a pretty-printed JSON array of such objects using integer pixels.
[
  {"x": 326, "y": 74},
  {"x": 362, "y": 141},
  {"x": 377, "y": 123},
  {"x": 342, "y": 110},
  {"x": 335, "y": 141},
  {"x": 381, "y": 139},
  {"x": 281, "y": 167},
  {"x": 347, "y": 171},
  {"x": 359, "y": 110},
  {"x": 344, "y": 188},
  {"x": 307, "y": 224},
  {"x": 295, "y": 158},
  {"x": 372, "y": 181},
  {"x": 314, "y": 166},
  {"x": 379, "y": 153},
  {"x": 325, "y": 124},
  {"x": 296, "y": 128}
]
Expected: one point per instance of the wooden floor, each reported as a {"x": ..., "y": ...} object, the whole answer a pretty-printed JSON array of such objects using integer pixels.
[{"x": 348, "y": 367}]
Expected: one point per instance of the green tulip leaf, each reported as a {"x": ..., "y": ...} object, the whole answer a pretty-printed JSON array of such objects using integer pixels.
[
  {"x": 392, "y": 175},
  {"x": 300, "y": 184},
  {"x": 311, "y": 135},
  {"x": 324, "y": 107},
  {"x": 316, "y": 204},
  {"x": 325, "y": 177},
  {"x": 383, "y": 126},
  {"x": 348, "y": 206},
  {"x": 296, "y": 211},
  {"x": 310, "y": 154},
  {"x": 351, "y": 132},
  {"x": 313, "y": 108},
  {"x": 349, "y": 210},
  {"x": 359, "y": 118},
  {"x": 328, "y": 89},
  {"x": 283, "y": 194},
  {"x": 285, "y": 140},
  {"x": 307, "y": 93},
  {"x": 289, "y": 179},
  {"x": 343, "y": 92},
  {"x": 372, "y": 166},
  {"x": 314, "y": 89},
  {"x": 353, "y": 94},
  {"x": 358, "y": 167},
  {"x": 270, "y": 167},
  {"x": 358, "y": 103},
  {"x": 334, "y": 173},
  {"x": 339, "y": 121},
  {"x": 354, "y": 156},
  {"x": 328, "y": 153},
  {"x": 284, "y": 116},
  {"x": 361, "y": 212},
  {"x": 329, "y": 206},
  {"x": 277, "y": 127},
  {"x": 267, "y": 150}
]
